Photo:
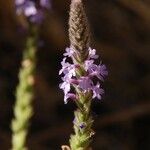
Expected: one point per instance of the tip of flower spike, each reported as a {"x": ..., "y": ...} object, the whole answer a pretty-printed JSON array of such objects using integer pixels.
[{"x": 76, "y": 1}]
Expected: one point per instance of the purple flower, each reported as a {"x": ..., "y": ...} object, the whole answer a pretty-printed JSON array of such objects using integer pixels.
[
  {"x": 69, "y": 52},
  {"x": 26, "y": 7},
  {"x": 68, "y": 69},
  {"x": 30, "y": 10},
  {"x": 99, "y": 71},
  {"x": 85, "y": 83},
  {"x": 69, "y": 96},
  {"x": 71, "y": 71},
  {"x": 45, "y": 3},
  {"x": 97, "y": 91},
  {"x": 88, "y": 64},
  {"x": 102, "y": 70},
  {"x": 92, "y": 53},
  {"x": 65, "y": 66},
  {"x": 65, "y": 86}
]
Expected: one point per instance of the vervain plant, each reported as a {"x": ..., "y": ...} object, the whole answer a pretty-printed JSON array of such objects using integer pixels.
[{"x": 82, "y": 78}]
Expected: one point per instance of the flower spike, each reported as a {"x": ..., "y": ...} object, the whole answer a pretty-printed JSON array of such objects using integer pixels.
[{"x": 82, "y": 77}]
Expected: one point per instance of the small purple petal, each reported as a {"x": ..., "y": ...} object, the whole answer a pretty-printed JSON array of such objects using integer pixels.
[
  {"x": 65, "y": 86},
  {"x": 92, "y": 54},
  {"x": 99, "y": 71},
  {"x": 88, "y": 64},
  {"x": 68, "y": 69},
  {"x": 103, "y": 70},
  {"x": 65, "y": 66},
  {"x": 69, "y": 52},
  {"x": 97, "y": 91},
  {"x": 85, "y": 83},
  {"x": 69, "y": 96}
]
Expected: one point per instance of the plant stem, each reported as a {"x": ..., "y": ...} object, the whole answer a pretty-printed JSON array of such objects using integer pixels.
[
  {"x": 79, "y": 40},
  {"x": 23, "y": 110}
]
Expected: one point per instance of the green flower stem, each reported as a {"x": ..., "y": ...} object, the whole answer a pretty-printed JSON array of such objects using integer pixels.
[
  {"x": 82, "y": 123},
  {"x": 24, "y": 95}
]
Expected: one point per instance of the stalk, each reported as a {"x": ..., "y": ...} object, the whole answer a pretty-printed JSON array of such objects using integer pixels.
[
  {"x": 23, "y": 110},
  {"x": 80, "y": 77},
  {"x": 79, "y": 40}
]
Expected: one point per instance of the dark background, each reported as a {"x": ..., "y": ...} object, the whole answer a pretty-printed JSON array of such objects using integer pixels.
[{"x": 121, "y": 34}]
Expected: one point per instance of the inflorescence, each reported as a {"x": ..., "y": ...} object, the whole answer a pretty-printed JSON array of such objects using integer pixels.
[
  {"x": 87, "y": 80},
  {"x": 32, "y": 9}
]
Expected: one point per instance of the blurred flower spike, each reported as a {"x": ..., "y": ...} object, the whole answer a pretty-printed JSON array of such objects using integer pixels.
[{"x": 32, "y": 9}]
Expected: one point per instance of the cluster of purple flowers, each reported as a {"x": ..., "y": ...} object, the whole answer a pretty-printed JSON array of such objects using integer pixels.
[
  {"x": 32, "y": 9},
  {"x": 86, "y": 82}
]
